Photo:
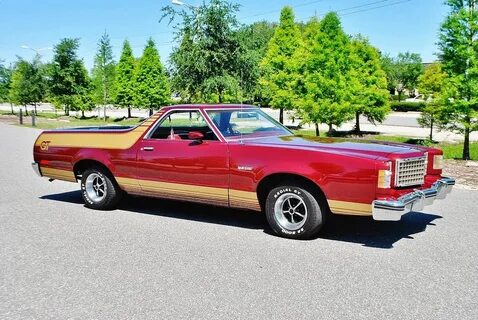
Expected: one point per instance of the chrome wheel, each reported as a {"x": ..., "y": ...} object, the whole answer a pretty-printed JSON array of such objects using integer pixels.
[
  {"x": 95, "y": 187},
  {"x": 290, "y": 211}
]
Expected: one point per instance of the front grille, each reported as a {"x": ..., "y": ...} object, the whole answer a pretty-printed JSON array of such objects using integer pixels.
[{"x": 410, "y": 172}]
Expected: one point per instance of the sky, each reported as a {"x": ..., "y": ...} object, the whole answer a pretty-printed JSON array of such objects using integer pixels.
[{"x": 391, "y": 25}]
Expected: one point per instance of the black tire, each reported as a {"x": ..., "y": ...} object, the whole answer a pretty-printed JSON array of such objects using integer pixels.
[
  {"x": 106, "y": 200},
  {"x": 291, "y": 224}
]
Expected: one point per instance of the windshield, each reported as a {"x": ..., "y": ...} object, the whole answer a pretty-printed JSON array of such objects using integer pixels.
[{"x": 247, "y": 123}]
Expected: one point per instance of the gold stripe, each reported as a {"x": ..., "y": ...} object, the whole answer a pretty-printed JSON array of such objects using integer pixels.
[
  {"x": 350, "y": 208},
  {"x": 236, "y": 198},
  {"x": 58, "y": 174}
]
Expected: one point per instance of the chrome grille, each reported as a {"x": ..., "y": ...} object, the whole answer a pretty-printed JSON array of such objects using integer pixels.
[{"x": 410, "y": 172}]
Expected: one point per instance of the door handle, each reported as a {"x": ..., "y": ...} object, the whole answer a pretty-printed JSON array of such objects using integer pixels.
[{"x": 147, "y": 148}]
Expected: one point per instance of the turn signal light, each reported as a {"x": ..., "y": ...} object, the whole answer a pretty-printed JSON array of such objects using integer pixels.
[
  {"x": 437, "y": 162},
  {"x": 385, "y": 177}
]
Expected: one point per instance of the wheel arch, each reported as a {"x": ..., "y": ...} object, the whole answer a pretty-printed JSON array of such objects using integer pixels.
[
  {"x": 81, "y": 165},
  {"x": 276, "y": 179}
]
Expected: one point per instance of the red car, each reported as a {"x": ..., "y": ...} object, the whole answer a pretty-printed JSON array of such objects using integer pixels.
[{"x": 237, "y": 156}]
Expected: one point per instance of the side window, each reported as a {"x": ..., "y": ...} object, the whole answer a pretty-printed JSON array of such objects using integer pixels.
[{"x": 177, "y": 125}]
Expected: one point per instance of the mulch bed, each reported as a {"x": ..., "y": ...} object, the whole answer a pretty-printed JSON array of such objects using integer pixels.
[{"x": 464, "y": 172}]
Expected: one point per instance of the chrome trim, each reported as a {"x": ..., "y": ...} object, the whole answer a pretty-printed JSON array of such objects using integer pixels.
[
  {"x": 393, "y": 210},
  {"x": 36, "y": 168}
]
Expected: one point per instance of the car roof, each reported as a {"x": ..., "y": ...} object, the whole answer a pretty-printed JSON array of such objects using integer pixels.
[{"x": 208, "y": 106}]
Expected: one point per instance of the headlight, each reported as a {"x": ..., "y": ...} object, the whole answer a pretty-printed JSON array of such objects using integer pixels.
[
  {"x": 437, "y": 162},
  {"x": 385, "y": 177}
]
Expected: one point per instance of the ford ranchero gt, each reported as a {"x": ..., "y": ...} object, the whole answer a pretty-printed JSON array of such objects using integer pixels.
[{"x": 237, "y": 156}]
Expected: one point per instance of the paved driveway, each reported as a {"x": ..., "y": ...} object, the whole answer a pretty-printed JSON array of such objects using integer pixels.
[{"x": 154, "y": 259}]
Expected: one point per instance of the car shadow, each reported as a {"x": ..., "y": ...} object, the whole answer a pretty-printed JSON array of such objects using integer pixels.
[
  {"x": 353, "y": 229},
  {"x": 376, "y": 234}
]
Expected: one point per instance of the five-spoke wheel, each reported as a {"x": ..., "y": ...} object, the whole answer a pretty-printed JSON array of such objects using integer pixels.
[
  {"x": 294, "y": 212},
  {"x": 99, "y": 189}
]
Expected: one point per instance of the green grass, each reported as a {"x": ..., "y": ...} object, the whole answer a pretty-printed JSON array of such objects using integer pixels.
[{"x": 455, "y": 150}]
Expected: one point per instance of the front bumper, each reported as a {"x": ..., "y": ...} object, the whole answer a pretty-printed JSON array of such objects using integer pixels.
[
  {"x": 393, "y": 210},
  {"x": 36, "y": 168}
]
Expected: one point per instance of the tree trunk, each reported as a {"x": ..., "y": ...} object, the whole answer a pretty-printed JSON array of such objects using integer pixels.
[
  {"x": 466, "y": 144},
  {"x": 35, "y": 105},
  {"x": 11, "y": 106},
  {"x": 150, "y": 112},
  {"x": 357, "y": 122},
  {"x": 330, "y": 129},
  {"x": 399, "y": 96},
  {"x": 82, "y": 114},
  {"x": 317, "y": 132},
  {"x": 281, "y": 115},
  {"x": 104, "y": 112},
  {"x": 431, "y": 128},
  {"x": 129, "y": 111},
  {"x": 26, "y": 110},
  {"x": 67, "y": 110}
]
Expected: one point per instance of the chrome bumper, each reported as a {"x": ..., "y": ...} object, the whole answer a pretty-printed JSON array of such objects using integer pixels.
[
  {"x": 393, "y": 210},
  {"x": 36, "y": 168}
]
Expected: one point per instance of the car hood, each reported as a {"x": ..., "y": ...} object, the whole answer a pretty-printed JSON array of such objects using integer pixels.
[{"x": 353, "y": 147}]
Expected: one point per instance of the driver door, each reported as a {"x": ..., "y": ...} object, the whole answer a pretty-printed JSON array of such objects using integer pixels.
[{"x": 172, "y": 165}]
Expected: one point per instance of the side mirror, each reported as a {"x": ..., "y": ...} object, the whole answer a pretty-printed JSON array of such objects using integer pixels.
[{"x": 196, "y": 136}]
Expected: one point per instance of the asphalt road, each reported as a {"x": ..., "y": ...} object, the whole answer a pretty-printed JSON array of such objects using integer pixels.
[{"x": 154, "y": 259}]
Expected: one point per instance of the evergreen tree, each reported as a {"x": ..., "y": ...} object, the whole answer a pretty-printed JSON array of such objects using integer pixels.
[
  {"x": 279, "y": 69},
  {"x": 68, "y": 75},
  {"x": 368, "y": 87},
  {"x": 151, "y": 83},
  {"x": 124, "y": 78},
  {"x": 327, "y": 75},
  {"x": 103, "y": 73}
]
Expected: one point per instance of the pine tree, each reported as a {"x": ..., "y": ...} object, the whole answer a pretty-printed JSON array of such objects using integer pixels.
[
  {"x": 459, "y": 55},
  {"x": 152, "y": 88},
  {"x": 279, "y": 69},
  {"x": 103, "y": 73},
  {"x": 68, "y": 76},
  {"x": 124, "y": 78},
  {"x": 326, "y": 98},
  {"x": 368, "y": 87}
]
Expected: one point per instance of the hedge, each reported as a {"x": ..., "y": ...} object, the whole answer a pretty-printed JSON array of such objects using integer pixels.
[{"x": 407, "y": 106}]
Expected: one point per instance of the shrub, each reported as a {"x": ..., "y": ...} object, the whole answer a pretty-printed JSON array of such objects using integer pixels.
[{"x": 407, "y": 106}]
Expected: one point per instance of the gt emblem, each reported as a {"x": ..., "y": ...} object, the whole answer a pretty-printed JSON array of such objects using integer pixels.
[{"x": 44, "y": 145}]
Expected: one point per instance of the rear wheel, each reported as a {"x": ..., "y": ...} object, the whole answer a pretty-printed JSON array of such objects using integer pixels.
[
  {"x": 99, "y": 189},
  {"x": 293, "y": 212}
]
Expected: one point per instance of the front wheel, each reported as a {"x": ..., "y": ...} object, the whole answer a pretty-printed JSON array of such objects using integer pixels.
[
  {"x": 99, "y": 189},
  {"x": 293, "y": 212}
]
